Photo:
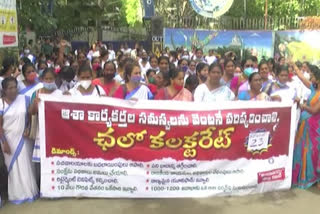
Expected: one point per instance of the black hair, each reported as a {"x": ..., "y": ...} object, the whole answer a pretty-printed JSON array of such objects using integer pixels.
[
  {"x": 254, "y": 59},
  {"x": 215, "y": 64},
  {"x": 6, "y": 64},
  {"x": 112, "y": 63},
  {"x": 227, "y": 60},
  {"x": 166, "y": 78},
  {"x": 282, "y": 68},
  {"x": 128, "y": 70},
  {"x": 263, "y": 62},
  {"x": 199, "y": 49},
  {"x": 67, "y": 72},
  {"x": 49, "y": 70},
  {"x": 244, "y": 61},
  {"x": 307, "y": 64},
  {"x": 163, "y": 58},
  {"x": 104, "y": 53},
  {"x": 181, "y": 60},
  {"x": 42, "y": 62},
  {"x": 153, "y": 57},
  {"x": 192, "y": 80},
  {"x": 173, "y": 73},
  {"x": 84, "y": 68},
  {"x": 25, "y": 67},
  {"x": 6, "y": 82},
  {"x": 26, "y": 60},
  {"x": 191, "y": 61},
  {"x": 200, "y": 67},
  {"x": 315, "y": 71},
  {"x": 174, "y": 54},
  {"x": 150, "y": 71},
  {"x": 93, "y": 58},
  {"x": 252, "y": 75}
]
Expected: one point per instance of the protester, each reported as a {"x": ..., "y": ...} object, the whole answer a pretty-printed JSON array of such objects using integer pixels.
[
  {"x": 228, "y": 74},
  {"x": 17, "y": 148},
  {"x": 107, "y": 81},
  {"x": 212, "y": 90},
  {"x": 30, "y": 83},
  {"x": 192, "y": 83},
  {"x": 175, "y": 91},
  {"x": 66, "y": 79},
  {"x": 255, "y": 82},
  {"x": 237, "y": 81},
  {"x": 133, "y": 89},
  {"x": 48, "y": 80},
  {"x": 85, "y": 86},
  {"x": 264, "y": 73},
  {"x": 163, "y": 64},
  {"x": 202, "y": 72},
  {"x": 154, "y": 63},
  {"x": 280, "y": 89},
  {"x": 306, "y": 156}
]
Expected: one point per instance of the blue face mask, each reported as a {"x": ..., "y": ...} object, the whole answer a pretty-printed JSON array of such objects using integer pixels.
[
  {"x": 282, "y": 85},
  {"x": 51, "y": 86},
  {"x": 248, "y": 71},
  {"x": 136, "y": 79},
  {"x": 185, "y": 68}
]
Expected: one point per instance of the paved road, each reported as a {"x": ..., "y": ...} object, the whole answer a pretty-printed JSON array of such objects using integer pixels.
[{"x": 292, "y": 202}]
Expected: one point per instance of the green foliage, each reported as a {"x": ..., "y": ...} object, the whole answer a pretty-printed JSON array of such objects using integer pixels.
[{"x": 131, "y": 10}]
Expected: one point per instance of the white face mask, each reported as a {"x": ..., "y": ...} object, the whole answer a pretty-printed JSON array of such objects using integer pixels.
[
  {"x": 85, "y": 83},
  {"x": 306, "y": 75}
]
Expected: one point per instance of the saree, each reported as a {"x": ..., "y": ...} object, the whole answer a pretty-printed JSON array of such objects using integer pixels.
[
  {"x": 245, "y": 95},
  {"x": 22, "y": 186},
  {"x": 182, "y": 95},
  {"x": 28, "y": 90},
  {"x": 306, "y": 161}
]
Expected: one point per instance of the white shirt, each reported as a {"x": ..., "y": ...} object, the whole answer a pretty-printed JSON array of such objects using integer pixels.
[
  {"x": 211, "y": 59},
  {"x": 66, "y": 86},
  {"x": 203, "y": 94},
  {"x": 145, "y": 68}
]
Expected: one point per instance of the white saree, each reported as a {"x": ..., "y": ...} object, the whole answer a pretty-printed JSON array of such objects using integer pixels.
[{"x": 22, "y": 186}]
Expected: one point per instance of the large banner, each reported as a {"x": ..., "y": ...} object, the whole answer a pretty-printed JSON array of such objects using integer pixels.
[
  {"x": 8, "y": 24},
  {"x": 104, "y": 147},
  {"x": 243, "y": 43},
  {"x": 298, "y": 45}
]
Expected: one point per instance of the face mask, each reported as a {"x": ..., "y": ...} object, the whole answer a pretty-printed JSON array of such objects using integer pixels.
[
  {"x": 177, "y": 87},
  {"x": 136, "y": 79},
  {"x": 203, "y": 78},
  {"x": 40, "y": 72},
  {"x": 109, "y": 76},
  {"x": 152, "y": 80},
  {"x": 27, "y": 51},
  {"x": 85, "y": 83},
  {"x": 307, "y": 75},
  {"x": 96, "y": 67},
  {"x": 20, "y": 67},
  {"x": 281, "y": 84},
  {"x": 185, "y": 68},
  {"x": 248, "y": 71},
  {"x": 50, "y": 86},
  {"x": 32, "y": 77},
  {"x": 185, "y": 57}
]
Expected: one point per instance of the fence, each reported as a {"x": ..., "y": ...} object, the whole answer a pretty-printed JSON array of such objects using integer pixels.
[{"x": 235, "y": 23}]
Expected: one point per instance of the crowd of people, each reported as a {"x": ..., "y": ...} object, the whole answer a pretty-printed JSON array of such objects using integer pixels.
[{"x": 128, "y": 74}]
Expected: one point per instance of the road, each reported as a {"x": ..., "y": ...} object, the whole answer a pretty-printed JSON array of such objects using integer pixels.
[{"x": 293, "y": 202}]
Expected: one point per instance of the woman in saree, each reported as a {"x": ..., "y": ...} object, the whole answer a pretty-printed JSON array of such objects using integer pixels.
[
  {"x": 280, "y": 90},
  {"x": 17, "y": 149},
  {"x": 175, "y": 91},
  {"x": 30, "y": 83},
  {"x": 212, "y": 90},
  {"x": 133, "y": 89},
  {"x": 306, "y": 157},
  {"x": 107, "y": 82},
  {"x": 48, "y": 79},
  {"x": 85, "y": 87},
  {"x": 255, "y": 82}
]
